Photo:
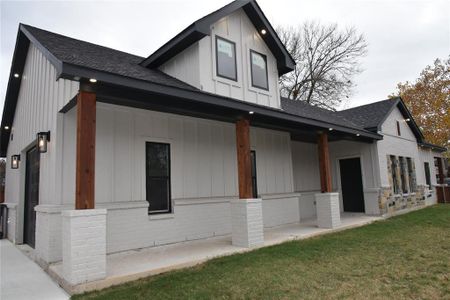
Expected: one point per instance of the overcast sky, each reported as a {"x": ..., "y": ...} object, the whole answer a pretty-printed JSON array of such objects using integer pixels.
[{"x": 403, "y": 35}]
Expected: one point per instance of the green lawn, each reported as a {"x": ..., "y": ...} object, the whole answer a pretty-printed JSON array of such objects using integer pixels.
[{"x": 404, "y": 257}]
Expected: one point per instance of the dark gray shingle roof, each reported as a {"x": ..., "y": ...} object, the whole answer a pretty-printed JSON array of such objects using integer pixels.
[
  {"x": 371, "y": 115},
  {"x": 306, "y": 110},
  {"x": 84, "y": 54}
]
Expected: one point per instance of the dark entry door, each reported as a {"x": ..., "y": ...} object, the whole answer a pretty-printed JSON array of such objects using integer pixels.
[
  {"x": 351, "y": 184},
  {"x": 31, "y": 195}
]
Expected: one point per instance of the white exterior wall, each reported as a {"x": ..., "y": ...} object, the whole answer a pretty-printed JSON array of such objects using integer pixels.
[
  {"x": 201, "y": 73},
  {"x": 203, "y": 175},
  {"x": 307, "y": 176},
  {"x": 427, "y": 155},
  {"x": 40, "y": 98},
  {"x": 305, "y": 162},
  {"x": 367, "y": 154},
  {"x": 404, "y": 145},
  {"x": 185, "y": 66}
]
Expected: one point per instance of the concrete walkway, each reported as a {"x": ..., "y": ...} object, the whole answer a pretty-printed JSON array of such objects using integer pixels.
[
  {"x": 131, "y": 265},
  {"x": 21, "y": 278}
]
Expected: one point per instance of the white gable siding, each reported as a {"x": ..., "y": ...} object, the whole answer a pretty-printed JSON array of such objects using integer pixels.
[
  {"x": 389, "y": 127},
  {"x": 185, "y": 66},
  {"x": 197, "y": 64},
  {"x": 392, "y": 144},
  {"x": 40, "y": 98}
]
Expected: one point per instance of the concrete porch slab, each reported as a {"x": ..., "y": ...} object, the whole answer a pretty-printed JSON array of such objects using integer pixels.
[{"x": 131, "y": 265}]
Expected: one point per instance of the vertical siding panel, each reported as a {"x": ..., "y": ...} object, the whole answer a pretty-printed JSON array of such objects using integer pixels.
[
  {"x": 36, "y": 111},
  {"x": 122, "y": 156},
  {"x": 177, "y": 150}
]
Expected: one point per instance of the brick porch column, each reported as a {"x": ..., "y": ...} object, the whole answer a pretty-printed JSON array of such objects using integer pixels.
[
  {"x": 327, "y": 203},
  {"x": 84, "y": 229},
  {"x": 246, "y": 212}
]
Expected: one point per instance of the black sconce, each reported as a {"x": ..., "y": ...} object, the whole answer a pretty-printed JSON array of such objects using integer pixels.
[
  {"x": 15, "y": 161},
  {"x": 42, "y": 140}
]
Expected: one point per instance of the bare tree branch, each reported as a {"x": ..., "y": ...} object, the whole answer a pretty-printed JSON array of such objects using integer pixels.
[{"x": 327, "y": 59}]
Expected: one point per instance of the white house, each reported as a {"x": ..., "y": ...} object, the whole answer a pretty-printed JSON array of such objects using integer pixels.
[{"x": 111, "y": 152}]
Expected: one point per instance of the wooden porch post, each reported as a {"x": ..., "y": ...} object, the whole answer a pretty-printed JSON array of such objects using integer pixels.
[
  {"x": 324, "y": 163},
  {"x": 85, "y": 160},
  {"x": 243, "y": 158}
]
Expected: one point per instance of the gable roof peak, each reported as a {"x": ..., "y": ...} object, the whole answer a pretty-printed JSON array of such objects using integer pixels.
[{"x": 201, "y": 28}]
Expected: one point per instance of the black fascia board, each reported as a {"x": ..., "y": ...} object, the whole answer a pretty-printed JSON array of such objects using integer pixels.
[
  {"x": 201, "y": 28},
  {"x": 200, "y": 97},
  {"x": 12, "y": 90},
  {"x": 432, "y": 146}
]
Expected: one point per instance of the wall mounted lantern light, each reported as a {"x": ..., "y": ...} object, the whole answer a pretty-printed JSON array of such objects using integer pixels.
[
  {"x": 42, "y": 140},
  {"x": 15, "y": 161}
]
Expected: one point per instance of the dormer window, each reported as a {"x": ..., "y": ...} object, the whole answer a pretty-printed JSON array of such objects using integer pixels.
[
  {"x": 226, "y": 59},
  {"x": 258, "y": 63}
]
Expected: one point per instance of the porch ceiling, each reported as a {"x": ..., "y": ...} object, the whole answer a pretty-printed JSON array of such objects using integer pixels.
[{"x": 209, "y": 106}]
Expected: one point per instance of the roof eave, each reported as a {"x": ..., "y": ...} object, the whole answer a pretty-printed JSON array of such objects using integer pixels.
[{"x": 69, "y": 71}]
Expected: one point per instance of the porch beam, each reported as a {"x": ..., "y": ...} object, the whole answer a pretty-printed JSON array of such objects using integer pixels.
[
  {"x": 324, "y": 163},
  {"x": 85, "y": 157},
  {"x": 243, "y": 158}
]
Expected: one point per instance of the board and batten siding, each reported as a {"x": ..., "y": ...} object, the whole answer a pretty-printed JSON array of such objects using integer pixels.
[
  {"x": 196, "y": 65},
  {"x": 203, "y": 155},
  {"x": 40, "y": 98}
]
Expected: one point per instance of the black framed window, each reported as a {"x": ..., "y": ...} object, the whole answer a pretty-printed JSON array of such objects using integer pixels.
[
  {"x": 411, "y": 174},
  {"x": 403, "y": 174},
  {"x": 427, "y": 173},
  {"x": 393, "y": 163},
  {"x": 226, "y": 59},
  {"x": 157, "y": 171},
  {"x": 254, "y": 182},
  {"x": 399, "y": 133},
  {"x": 258, "y": 63}
]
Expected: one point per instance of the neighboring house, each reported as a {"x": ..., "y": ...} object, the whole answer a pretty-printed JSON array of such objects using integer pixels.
[{"x": 191, "y": 142}]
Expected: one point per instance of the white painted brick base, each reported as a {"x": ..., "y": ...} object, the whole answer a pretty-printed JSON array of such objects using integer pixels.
[
  {"x": 247, "y": 222},
  {"x": 48, "y": 235},
  {"x": 328, "y": 212},
  {"x": 12, "y": 222},
  {"x": 84, "y": 245}
]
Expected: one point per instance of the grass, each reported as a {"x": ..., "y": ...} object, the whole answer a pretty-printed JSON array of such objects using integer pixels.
[{"x": 404, "y": 257}]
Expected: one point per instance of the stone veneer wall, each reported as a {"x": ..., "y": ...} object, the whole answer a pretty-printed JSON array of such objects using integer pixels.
[{"x": 390, "y": 203}]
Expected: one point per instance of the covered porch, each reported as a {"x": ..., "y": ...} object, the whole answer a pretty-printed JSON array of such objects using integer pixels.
[
  {"x": 210, "y": 144},
  {"x": 131, "y": 265}
]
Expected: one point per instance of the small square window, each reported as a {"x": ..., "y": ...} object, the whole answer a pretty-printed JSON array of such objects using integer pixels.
[
  {"x": 226, "y": 59},
  {"x": 258, "y": 63}
]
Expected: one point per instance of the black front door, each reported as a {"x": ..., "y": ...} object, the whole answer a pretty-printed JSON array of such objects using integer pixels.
[
  {"x": 351, "y": 184},
  {"x": 31, "y": 196}
]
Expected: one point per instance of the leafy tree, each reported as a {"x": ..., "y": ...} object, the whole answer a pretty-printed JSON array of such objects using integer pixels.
[
  {"x": 327, "y": 59},
  {"x": 428, "y": 99}
]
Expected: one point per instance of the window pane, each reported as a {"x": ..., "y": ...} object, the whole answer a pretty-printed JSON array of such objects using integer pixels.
[
  {"x": 259, "y": 70},
  {"x": 427, "y": 174},
  {"x": 226, "y": 59},
  {"x": 157, "y": 159},
  {"x": 158, "y": 177},
  {"x": 158, "y": 194}
]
